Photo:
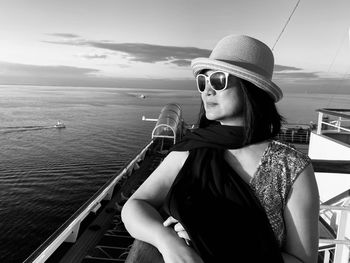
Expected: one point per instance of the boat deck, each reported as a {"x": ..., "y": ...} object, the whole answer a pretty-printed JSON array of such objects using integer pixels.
[{"x": 105, "y": 238}]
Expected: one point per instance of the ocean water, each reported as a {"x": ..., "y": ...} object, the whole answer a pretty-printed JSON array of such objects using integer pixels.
[
  {"x": 46, "y": 174},
  {"x": 301, "y": 107}
]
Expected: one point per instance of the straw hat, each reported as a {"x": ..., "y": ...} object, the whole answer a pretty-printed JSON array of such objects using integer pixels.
[{"x": 244, "y": 57}]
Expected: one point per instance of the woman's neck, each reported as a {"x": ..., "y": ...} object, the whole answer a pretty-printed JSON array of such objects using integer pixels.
[{"x": 232, "y": 122}]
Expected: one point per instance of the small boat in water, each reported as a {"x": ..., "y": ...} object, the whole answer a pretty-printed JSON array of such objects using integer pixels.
[
  {"x": 59, "y": 125},
  {"x": 95, "y": 233}
]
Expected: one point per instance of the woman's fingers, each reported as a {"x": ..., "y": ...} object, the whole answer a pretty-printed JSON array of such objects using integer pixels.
[
  {"x": 183, "y": 234},
  {"x": 178, "y": 227},
  {"x": 169, "y": 221}
]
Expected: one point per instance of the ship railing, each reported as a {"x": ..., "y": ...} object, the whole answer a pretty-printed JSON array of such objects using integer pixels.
[
  {"x": 335, "y": 201},
  {"x": 334, "y": 244},
  {"x": 295, "y": 133},
  {"x": 336, "y": 250},
  {"x": 68, "y": 232},
  {"x": 294, "y": 136},
  {"x": 341, "y": 116}
]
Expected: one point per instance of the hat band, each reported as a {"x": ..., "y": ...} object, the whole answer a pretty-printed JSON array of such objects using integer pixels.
[{"x": 249, "y": 67}]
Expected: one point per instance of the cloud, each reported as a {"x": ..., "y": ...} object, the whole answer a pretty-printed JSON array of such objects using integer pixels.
[
  {"x": 13, "y": 73},
  {"x": 24, "y": 74},
  {"x": 288, "y": 73},
  {"x": 147, "y": 53},
  {"x": 296, "y": 75},
  {"x": 142, "y": 52},
  {"x": 123, "y": 65},
  {"x": 22, "y": 70},
  {"x": 65, "y": 35},
  {"x": 94, "y": 56},
  {"x": 287, "y": 77},
  {"x": 293, "y": 79},
  {"x": 278, "y": 68},
  {"x": 319, "y": 85},
  {"x": 181, "y": 62}
]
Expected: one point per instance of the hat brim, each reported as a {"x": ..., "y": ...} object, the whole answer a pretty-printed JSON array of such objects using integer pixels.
[{"x": 260, "y": 81}]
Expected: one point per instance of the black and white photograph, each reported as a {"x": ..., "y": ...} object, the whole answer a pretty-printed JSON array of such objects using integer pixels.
[{"x": 183, "y": 131}]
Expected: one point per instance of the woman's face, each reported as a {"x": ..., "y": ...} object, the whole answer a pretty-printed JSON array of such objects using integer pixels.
[{"x": 224, "y": 106}]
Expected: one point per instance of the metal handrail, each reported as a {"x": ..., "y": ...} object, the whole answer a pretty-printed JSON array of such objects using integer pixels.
[
  {"x": 335, "y": 112},
  {"x": 335, "y": 207},
  {"x": 335, "y": 124},
  {"x": 331, "y": 166},
  {"x": 69, "y": 230},
  {"x": 334, "y": 242},
  {"x": 341, "y": 242},
  {"x": 337, "y": 198}
]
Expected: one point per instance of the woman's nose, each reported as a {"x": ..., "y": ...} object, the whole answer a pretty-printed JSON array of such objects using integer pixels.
[{"x": 208, "y": 89}]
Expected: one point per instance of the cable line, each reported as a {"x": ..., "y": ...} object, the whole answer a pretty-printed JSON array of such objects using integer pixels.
[
  {"x": 337, "y": 52},
  {"x": 285, "y": 25},
  {"x": 346, "y": 72}
]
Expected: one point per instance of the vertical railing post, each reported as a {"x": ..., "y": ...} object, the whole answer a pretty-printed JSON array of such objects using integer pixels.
[
  {"x": 342, "y": 250},
  {"x": 326, "y": 256},
  {"x": 339, "y": 124},
  {"x": 319, "y": 122},
  {"x": 73, "y": 234}
]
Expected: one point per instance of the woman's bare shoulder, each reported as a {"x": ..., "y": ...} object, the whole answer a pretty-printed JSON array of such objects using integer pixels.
[
  {"x": 177, "y": 157},
  {"x": 157, "y": 185},
  {"x": 179, "y": 154}
]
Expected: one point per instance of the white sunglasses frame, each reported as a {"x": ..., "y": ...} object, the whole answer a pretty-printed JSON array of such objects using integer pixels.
[{"x": 208, "y": 78}]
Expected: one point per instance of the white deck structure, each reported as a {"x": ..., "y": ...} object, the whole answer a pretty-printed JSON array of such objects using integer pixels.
[
  {"x": 331, "y": 143},
  {"x": 168, "y": 122}
]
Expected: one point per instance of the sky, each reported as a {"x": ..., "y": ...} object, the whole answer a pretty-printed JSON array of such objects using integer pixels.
[{"x": 150, "y": 43}]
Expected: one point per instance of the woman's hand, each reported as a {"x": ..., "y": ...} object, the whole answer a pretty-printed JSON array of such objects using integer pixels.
[
  {"x": 181, "y": 232},
  {"x": 174, "y": 249}
]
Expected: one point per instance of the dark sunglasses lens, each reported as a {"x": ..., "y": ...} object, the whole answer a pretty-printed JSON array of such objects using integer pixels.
[
  {"x": 201, "y": 83},
  {"x": 218, "y": 80}
]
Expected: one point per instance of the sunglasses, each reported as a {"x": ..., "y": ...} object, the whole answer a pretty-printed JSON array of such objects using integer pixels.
[{"x": 217, "y": 80}]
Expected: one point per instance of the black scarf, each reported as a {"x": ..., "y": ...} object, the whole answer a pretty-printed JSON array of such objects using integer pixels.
[{"x": 221, "y": 214}]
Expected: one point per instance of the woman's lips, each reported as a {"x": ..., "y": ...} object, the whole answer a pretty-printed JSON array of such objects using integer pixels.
[{"x": 211, "y": 104}]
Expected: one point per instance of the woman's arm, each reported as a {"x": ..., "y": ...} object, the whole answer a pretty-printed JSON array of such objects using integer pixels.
[
  {"x": 139, "y": 213},
  {"x": 301, "y": 218},
  {"x": 142, "y": 219}
]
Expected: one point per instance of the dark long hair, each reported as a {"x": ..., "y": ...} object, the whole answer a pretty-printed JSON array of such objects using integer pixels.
[{"x": 260, "y": 114}]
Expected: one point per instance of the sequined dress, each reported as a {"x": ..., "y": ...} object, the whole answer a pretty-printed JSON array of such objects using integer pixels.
[
  {"x": 279, "y": 167},
  {"x": 235, "y": 210}
]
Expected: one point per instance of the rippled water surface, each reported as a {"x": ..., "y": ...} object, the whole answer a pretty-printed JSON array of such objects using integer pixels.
[{"x": 47, "y": 173}]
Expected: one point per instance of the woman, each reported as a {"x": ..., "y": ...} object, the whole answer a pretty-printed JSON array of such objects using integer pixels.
[{"x": 232, "y": 193}]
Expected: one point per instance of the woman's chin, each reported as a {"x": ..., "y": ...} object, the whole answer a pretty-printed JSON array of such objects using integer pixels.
[{"x": 211, "y": 117}]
